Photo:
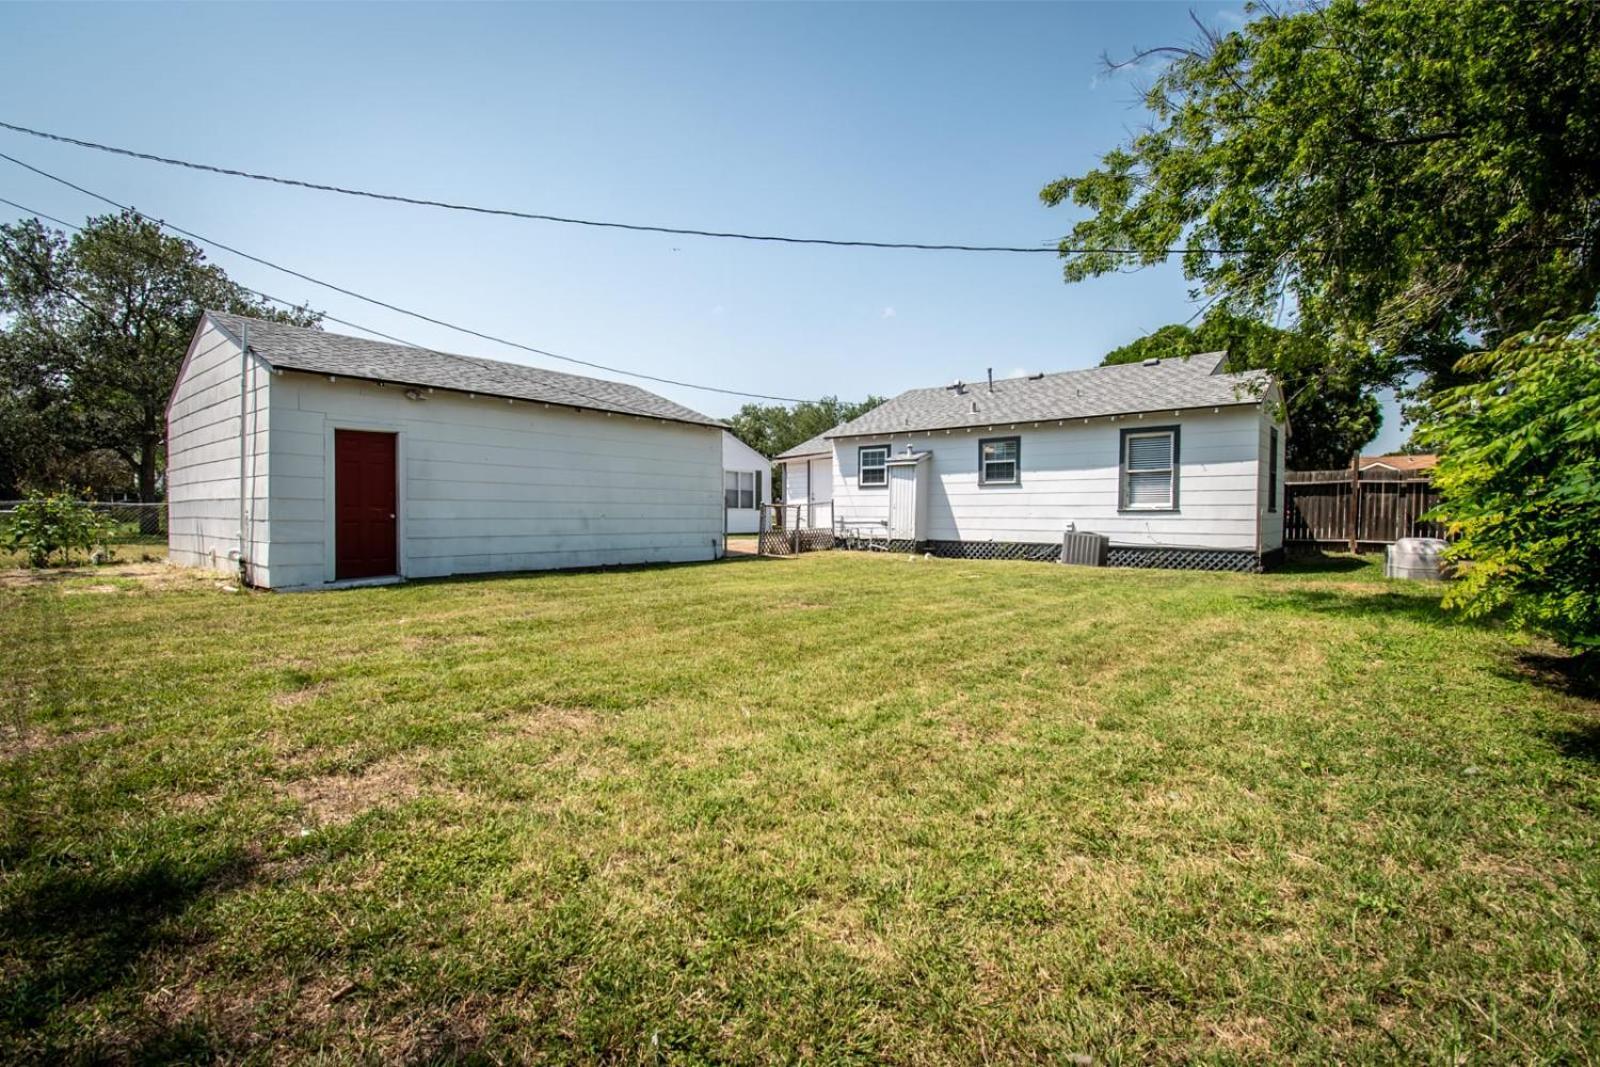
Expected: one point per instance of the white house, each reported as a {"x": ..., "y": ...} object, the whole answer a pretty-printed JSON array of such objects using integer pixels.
[
  {"x": 1178, "y": 463},
  {"x": 808, "y": 480},
  {"x": 746, "y": 485},
  {"x": 302, "y": 458}
]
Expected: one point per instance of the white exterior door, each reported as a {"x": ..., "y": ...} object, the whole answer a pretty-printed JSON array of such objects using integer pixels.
[
  {"x": 819, "y": 483},
  {"x": 796, "y": 482},
  {"x": 903, "y": 501}
]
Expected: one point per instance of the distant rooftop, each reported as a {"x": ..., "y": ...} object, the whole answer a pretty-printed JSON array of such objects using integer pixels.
[
  {"x": 1125, "y": 389},
  {"x": 317, "y": 351},
  {"x": 1422, "y": 461},
  {"x": 817, "y": 446}
]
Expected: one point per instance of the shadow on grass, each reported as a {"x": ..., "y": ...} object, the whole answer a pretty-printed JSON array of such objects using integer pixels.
[
  {"x": 1577, "y": 676},
  {"x": 556, "y": 572},
  {"x": 1416, "y": 607},
  {"x": 73, "y": 934},
  {"x": 1578, "y": 743},
  {"x": 1322, "y": 563}
]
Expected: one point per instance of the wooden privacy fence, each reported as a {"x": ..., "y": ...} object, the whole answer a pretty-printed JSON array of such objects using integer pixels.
[{"x": 1352, "y": 508}]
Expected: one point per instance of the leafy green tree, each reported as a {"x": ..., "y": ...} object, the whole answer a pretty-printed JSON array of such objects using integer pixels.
[
  {"x": 774, "y": 428},
  {"x": 1407, "y": 177},
  {"x": 93, "y": 329},
  {"x": 1519, "y": 474},
  {"x": 1332, "y": 411}
]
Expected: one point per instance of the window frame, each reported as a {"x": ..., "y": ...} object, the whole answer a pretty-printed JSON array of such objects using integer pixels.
[
  {"x": 1128, "y": 434},
  {"x": 1016, "y": 462},
  {"x": 1272, "y": 470},
  {"x": 743, "y": 482},
  {"x": 861, "y": 467}
]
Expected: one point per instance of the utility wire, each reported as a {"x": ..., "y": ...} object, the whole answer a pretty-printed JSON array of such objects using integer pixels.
[
  {"x": 297, "y": 305},
  {"x": 395, "y": 307},
  {"x": 1043, "y": 249},
  {"x": 1054, "y": 249},
  {"x": 599, "y": 403}
]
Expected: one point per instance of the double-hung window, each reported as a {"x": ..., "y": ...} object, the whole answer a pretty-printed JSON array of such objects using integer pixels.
[
  {"x": 1000, "y": 461},
  {"x": 1150, "y": 470},
  {"x": 873, "y": 465},
  {"x": 739, "y": 489}
]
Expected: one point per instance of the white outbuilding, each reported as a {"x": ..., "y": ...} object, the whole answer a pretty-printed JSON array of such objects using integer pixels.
[
  {"x": 746, "y": 485},
  {"x": 303, "y": 459}
]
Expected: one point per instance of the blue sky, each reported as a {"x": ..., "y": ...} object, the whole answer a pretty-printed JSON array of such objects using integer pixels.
[{"x": 890, "y": 122}]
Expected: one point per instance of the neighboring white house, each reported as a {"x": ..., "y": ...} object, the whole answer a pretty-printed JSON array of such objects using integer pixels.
[
  {"x": 350, "y": 459},
  {"x": 746, "y": 485},
  {"x": 808, "y": 480},
  {"x": 1178, "y": 463}
]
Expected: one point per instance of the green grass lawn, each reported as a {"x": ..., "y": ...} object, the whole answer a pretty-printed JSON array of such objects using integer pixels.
[{"x": 840, "y": 807}]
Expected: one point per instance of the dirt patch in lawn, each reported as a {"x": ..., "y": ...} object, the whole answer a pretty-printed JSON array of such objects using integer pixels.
[
  {"x": 332, "y": 799},
  {"x": 148, "y": 575},
  {"x": 548, "y": 719},
  {"x": 293, "y": 698},
  {"x": 15, "y": 743}
]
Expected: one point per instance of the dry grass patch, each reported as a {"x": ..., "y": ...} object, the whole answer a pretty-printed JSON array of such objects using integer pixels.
[{"x": 331, "y": 799}]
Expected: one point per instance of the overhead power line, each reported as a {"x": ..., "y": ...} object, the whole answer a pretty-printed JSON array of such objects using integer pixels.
[
  {"x": 1042, "y": 249},
  {"x": 469, "y": 331},
  {"x": 601, "y": 404},
  {"x": 36, "y": 213}
]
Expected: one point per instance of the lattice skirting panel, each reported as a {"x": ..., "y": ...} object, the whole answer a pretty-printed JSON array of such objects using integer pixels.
[
  {"x": 815, "y": 540},
  {"x": 776, "y": 543},
  {"x": 995, "y": 550},
  {"x": 782, "y": 542},
  {"x": 1186, "y": 559}
]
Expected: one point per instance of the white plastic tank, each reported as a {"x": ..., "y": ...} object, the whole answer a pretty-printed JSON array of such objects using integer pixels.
[{"x": 1415, "y": 557}]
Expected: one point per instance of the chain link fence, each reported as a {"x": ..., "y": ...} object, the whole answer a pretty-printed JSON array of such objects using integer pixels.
[{"x": 131, "y": 523}]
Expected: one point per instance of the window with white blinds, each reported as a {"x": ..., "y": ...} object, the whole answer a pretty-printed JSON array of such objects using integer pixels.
[
  {"x": 1150, "y": 470},
  {"x": 999, "y": 460}
]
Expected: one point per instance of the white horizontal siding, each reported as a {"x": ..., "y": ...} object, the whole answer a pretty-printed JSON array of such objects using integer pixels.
[
  {"x": 203, "y": 444},
  {"x": 489, "y": 486},
  {"x": 1070, "y": 474}
]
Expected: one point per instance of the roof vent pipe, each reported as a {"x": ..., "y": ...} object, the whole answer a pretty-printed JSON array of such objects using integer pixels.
[{"x": 991, "y": 379}]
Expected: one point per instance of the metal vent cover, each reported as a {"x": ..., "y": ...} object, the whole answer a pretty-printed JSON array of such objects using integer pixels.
[{"x": 1085, "y": 549}]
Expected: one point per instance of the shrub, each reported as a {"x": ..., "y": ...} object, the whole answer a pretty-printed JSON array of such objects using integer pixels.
[
  {"x": 1519, "y": 480},
  {"x": 55, "y": 525}
]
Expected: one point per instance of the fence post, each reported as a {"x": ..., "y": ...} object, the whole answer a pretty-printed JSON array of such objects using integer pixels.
[{"x": 1355, "y": 502}]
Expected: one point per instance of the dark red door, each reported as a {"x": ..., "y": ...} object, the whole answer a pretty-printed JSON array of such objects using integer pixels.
[{"x": 364, "y": 504}]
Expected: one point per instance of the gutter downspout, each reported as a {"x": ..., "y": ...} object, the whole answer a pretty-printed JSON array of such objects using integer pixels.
[{"x": 244, "y": 436}]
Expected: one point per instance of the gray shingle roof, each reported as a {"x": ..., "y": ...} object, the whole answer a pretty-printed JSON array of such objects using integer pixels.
[
  {"x": 299, "y": 348},
  {"x": 1169, "y": 385},
  {"x": 817, "y": 446}
]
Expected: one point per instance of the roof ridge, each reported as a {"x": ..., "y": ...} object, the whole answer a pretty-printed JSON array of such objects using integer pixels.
[{"x": 574, "y": 389}]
